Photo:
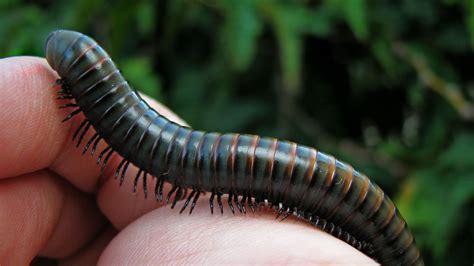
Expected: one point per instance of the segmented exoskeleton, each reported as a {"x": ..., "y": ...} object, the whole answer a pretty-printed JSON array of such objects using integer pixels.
[{"x": 248, "y": 169}]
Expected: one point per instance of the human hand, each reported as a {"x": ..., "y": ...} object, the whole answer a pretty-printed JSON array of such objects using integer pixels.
[{"x": 54, "y": 202}]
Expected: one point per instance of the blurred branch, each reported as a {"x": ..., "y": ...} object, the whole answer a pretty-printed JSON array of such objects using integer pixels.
[{"x": 448, "y": 90}]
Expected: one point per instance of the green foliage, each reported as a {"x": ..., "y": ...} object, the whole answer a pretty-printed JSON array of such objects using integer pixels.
[
  {"x": 385, "y": 85},
  {"x": 445, "y": 201},
  {"x": 139, "y": 72},
  {"x": 354, "y": 12}
]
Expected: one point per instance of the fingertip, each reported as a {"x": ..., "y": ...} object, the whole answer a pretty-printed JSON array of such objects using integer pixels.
[
  {"x": 167, "y": 237},
  {"x": 29, "y": 116}
]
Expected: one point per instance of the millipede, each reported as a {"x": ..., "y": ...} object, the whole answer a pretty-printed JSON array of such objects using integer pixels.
[{"x": 248, "y": 171}]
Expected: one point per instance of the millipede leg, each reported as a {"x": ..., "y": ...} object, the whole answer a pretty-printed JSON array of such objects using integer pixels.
[
  {"x": 323, "y": 224},
  {"x": 103, "y": 153},
  {"x": 193, "y": 204},
  {"x": 122, "y": 176},
  {"x": 187, "y": 201},
  {"x": 63, "y": 92},
  {"x": 243, "y": 201},
  {"x": 177, "y": 197},
  {"x": 86, "y": 128},
  {"x": 229, "y": 202},
  {"x": 219, "y": 202},
  {"x": 119, "y": 167},
  {"x": 162, "y": 183},
  {"x": 251, "y": 205},
  {"x": 287, "y": 214},
  {"x": 83, "y": 123},
  {"x": 65, "y": 97},
  {"x": 135, "y": 182},
  {"x": 281, "y": 210},
  {"x": 211, "y": 202},
  {"x": 67, "y": 105},
  {"x": 145, "y": 188},
  {"x": 237, "y": 203},
  {"x": 94, "y": 147},
  {"x": 86, "y": 147},
  {"x": 107, "y": 157},
  {"x": 72, "y": 114},
  {"x": 184, "y": 194},
  {"x": 173, "y": 190},
  {"x": 157, "y": 187}
]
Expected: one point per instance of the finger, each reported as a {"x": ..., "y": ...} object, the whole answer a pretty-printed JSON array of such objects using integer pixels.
[
  {"x": 41, "y": 214},
  {"x": 30, "y": 138},
  {"x": 170, "y": 238},
  {"x": 34, "y": 138},
  {"x": 90, "y": 254}
]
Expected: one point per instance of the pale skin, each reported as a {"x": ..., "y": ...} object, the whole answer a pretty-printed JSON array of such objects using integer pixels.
[{"x": 55, "y": 202}]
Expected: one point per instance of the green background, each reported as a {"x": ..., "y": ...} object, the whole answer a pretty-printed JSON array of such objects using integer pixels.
[{"x": 385, "y": 85}]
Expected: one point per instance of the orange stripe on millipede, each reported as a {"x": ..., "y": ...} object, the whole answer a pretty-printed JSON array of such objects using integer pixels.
[
  {"x": 102, "y": 79},
  {"x": 251, "y": 160},
  {"x": 347, "y": 185},
  {"x": 308, "y": 176},
  {"x": 291, "y": 164},
  {"x": 389, "y": 217},
  {"x": 379, "y": 199},
  {"x": 66, "y": 50},
  {"x": 363, "y": 192},
  {"x": 80, "y": 56},
  {"x": 90, "y": 69},
  {"x": 270, "y": 164},
  {"x": 198, "y": 160},
  {"x": 348, "y": 181},
  {"x": 231, "y": 159},
  {"x": 171, "y": 145},
  {"x": 415, "y": 258},
  {"x": 386, "y": 221},
  {"x": 184, "y": 154},
  {"x": 331, "y": 172},
  {"x": 400, "y": 249},
  {"x": 408, "y": 242},
  {"x": 378, "y": 203},
  {"x": 399, "y": 230},
  {"x": 362, "y": 196},
  {"x": 215, "y": 145},
  {"x": 155, "y": 144}
]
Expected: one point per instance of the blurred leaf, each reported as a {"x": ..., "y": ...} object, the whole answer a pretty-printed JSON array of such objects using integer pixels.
[
  {"x": 241, "y": 28},
  {"x": 457, "y": 154},
  {"x": 453, "y": 38},
  {"x": 8, "y": 3},
  {"x": 422, "y": 12},
  {"x": 440, "y": 192},
  {"x": 383, "y": 52},
  {"x": 432, "y": 201},
  {"x": 146, "y": 17},
  {"x": 470, "y": 20},
  {"x": 77, "y": 15},
  {"x": 286, "y": 22},
  {"x": 316, "y": 22},
  {"x": 355, "y": 14}
]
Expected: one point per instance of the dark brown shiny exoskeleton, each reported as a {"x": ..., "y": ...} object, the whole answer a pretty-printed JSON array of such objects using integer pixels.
[{"x": 248, "y": 169}]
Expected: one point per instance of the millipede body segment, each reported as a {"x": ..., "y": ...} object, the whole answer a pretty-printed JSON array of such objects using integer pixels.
[{"x": 248, "y": 170}]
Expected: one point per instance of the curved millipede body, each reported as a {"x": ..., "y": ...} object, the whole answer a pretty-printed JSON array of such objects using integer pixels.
[{"x": 249, "y": 170}]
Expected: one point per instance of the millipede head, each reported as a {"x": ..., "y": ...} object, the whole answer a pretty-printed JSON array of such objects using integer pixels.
[{"x": 56, "y": 45}]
